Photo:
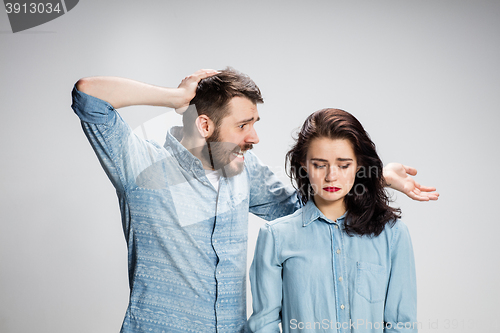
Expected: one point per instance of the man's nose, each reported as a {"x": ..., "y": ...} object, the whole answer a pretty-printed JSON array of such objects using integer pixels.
[{"x": 252, "y": 137}]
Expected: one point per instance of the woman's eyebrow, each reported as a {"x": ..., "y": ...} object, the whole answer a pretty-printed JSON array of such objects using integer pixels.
[{"x": 340, "y": 159}]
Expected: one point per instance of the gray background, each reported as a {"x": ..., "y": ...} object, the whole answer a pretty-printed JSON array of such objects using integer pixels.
[{"x": 422, "y": 76}]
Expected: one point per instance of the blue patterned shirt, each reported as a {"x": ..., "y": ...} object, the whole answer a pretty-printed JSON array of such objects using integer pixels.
[
  {"x": 308, "y": 274},
  {"x": 187, "y": 243}
]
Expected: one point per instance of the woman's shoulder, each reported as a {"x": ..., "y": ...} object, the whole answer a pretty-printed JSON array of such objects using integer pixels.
[
  {"x": 395, "y": 230},
  {"x": 286, "y": 222},
  {"x": 396, "y": 226}
]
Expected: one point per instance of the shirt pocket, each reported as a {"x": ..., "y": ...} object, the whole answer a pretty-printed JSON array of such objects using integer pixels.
[{"x": 371, "y": 282}]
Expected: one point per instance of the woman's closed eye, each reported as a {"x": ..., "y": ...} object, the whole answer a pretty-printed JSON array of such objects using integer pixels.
[{"x": 319, "y": 166}]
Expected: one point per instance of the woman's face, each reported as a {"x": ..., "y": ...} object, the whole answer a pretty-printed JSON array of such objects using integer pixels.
[{"x": 331, "y": 167}]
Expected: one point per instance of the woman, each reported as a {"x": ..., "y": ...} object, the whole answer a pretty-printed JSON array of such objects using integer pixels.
[{"x": 343, "y": 262}]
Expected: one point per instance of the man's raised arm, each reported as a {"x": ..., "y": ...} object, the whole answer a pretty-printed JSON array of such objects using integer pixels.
[{"x": 121, "y": 92}]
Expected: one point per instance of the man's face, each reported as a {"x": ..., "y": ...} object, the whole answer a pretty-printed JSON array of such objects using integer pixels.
[{"x": 233, "y": 137}]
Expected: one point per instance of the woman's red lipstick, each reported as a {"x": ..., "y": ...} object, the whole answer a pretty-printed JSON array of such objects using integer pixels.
[{"x": 331, "y": 189}]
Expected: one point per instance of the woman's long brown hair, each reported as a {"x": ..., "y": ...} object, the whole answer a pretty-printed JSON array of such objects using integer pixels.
[{"x": 367, "y": 203}]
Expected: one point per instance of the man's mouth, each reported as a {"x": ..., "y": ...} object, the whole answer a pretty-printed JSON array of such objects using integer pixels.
[
  {"x": 240, "y": 151},
  {"x": 238, "y": 154}
]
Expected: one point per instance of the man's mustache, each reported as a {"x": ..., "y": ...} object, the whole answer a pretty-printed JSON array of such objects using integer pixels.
[{"x": 229, "y": 146}]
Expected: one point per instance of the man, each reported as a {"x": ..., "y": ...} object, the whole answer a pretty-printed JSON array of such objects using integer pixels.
[{"x": 185, "y": 205}]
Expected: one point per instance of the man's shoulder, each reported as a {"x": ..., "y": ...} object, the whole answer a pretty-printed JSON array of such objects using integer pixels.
[
  {"x": 254, "y": 167},
  {"x": 251, "y": 160}
]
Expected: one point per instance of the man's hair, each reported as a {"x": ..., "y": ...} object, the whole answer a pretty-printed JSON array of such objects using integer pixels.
[
  {"x": 367, "y": 212},
  {"x": 215, "y": 92}
]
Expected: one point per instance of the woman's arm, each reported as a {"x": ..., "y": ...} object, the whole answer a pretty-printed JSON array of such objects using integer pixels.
[
  {"x": 401, "y": 300},
  {"x": 266, "y": 282}
]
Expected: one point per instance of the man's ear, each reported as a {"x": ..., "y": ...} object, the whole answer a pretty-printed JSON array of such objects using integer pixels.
[{"x": 204, "y": 125}]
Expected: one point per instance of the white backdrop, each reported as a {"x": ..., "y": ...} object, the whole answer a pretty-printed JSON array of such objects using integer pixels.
[{"x": 422, "y": 76}]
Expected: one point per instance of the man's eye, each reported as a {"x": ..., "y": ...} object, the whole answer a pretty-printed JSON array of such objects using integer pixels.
[
  {"x": 242, "y": 126},
  {"x": 345, "y": 166},
  {"x": 319, "y": 166}
]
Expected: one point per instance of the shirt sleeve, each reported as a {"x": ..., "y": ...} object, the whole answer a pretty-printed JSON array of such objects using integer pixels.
[
  {"x": 121, "y": 153},
  {"x": 266, "y": 284},
  {"x": 401, "y": 300},
  {"x": 269, "y": 197}
]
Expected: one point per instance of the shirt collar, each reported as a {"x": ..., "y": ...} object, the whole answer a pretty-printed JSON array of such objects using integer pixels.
[
  {"x": 311, "y": 213},
  {"x": 186, "y": 160}
]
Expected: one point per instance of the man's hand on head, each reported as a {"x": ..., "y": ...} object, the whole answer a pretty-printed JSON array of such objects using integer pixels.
[
  {"x": 399, "y": 177},
  {"x": 187, "y": 88}
]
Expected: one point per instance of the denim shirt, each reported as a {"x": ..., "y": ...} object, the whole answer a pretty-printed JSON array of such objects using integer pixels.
[
  {"x": 308, "y": 274},
  {"x": 186, "y": 242}
]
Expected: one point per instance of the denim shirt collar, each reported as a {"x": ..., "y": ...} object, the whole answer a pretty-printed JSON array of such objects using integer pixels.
[
  {"x": 311, "y": 213},
  {"x": 186, "y": 160}
]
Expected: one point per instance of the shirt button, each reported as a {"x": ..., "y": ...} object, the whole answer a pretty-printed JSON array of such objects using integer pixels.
[
  {"x": 336, "y": 227},
  {"x": 220, "y": 272},
  {"x": 342, "y": 307},
  {"x": 215, "y": 240},
  {"x": 338, "y": 251},
  {"x": 340, "y": 279}
]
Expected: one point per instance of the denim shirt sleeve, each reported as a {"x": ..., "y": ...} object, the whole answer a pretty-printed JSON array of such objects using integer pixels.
[
  {"x": 266, "y": 284},
  {"x": 269, "y": 197},
  {"x": 121, "y": 153},
  {"x": 401, "y": 299}
]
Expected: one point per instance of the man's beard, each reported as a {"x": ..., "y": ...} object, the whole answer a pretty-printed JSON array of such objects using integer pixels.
[{"x": 221, "y": 155}]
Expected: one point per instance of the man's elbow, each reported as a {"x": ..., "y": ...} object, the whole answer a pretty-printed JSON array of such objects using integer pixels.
[{"x": 84, "y": 85}]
